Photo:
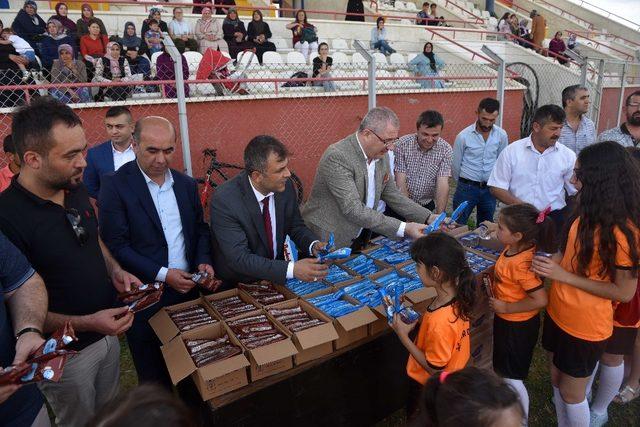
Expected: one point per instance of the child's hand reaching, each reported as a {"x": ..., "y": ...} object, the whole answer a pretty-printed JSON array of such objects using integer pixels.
[
  {"x": 402, "y": 329},
  {"x": 497, "y": 305}
]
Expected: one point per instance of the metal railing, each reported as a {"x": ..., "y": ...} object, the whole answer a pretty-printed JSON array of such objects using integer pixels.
[
  {"x": 565, "y": 13},
  {"x": 598, "y": 44},
  {"x": 607, "y": 14}
]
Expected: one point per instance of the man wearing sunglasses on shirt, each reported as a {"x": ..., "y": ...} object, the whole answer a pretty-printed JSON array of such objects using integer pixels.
[
  {"x": 46, "y": 214},
  {"x": 352, "y": 177}
]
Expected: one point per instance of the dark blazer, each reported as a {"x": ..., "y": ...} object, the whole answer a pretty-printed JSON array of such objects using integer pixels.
[
  {"x": 99, "y": 163},
  {"x": 240, "y": 251},
  {"x": 131, "y": 228}
]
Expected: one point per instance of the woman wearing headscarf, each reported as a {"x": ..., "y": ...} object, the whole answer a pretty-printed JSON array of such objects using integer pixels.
[
  {"x": 29, "y": 25},
  {"x": 62, "y": 15},
  {"x": 82, "y": 24},
  {"x": 427, "y": 65},
  {"x": 165, "y": 71},
  {"x": 130, "y": 39},
  {"x": 259, "y": 33},
  {"x": 55, "y": 37},
  {"x": 66, "y": 69},
  {"x": 154, "y": 13},
  {"x": 113, "y": 67},
  {"x": 235, "y": 34},
  {"x": 209, "y": 32}
]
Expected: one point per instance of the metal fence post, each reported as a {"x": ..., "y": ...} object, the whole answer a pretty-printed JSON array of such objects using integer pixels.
[
  {"x": 371, "y": 62},
  {"x": 500, "y": 65},
  {"x": 583, "y": 63},
  {"x": 182, "y": 103},
  {"x": 623, "y": 80},
  {"x": 599, "y": 88}
]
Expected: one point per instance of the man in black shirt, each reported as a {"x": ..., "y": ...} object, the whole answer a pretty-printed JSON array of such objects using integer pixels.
[{"x": 46, "y": 213}]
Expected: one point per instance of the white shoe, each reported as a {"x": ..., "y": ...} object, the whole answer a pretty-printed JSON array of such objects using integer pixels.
[{"x": 598, "y": 420}]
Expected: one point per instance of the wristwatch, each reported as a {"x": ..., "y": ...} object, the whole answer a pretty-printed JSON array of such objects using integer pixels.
[{"x": 25, "y": 330}]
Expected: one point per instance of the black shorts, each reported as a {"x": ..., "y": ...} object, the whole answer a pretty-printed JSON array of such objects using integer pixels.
[
  {"x": 572, "y": 356},
  {"x": 622, "y": 341},
  {"x": 513, "y": 344}
]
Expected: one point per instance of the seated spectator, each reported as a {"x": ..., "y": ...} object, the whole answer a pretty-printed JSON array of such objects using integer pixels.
[
  {"x": 513, "y": 24},
  {"x": 10, "y": 74},
  {"x": 305, "y": 37},
  {"x": 259, "y": 33},
  {"x": 557, "y": 46},
  {"x": 93, "y": 46},
  {"x": 86, "y": 18},
  {"x": 181, "y": 32},
  {"x": 13, "y": 163},
  {"x": 165, "y": 71},
  {"x": 423, "y": 16},
  {"x": 322, "y": 68},
  {"x": 524, "y": 33},
  {"x": 355, "y": 6},
  {"x": 62, "y": 15},
  {"x": 504, "y": 25},
  {"x": 138, "y": 64},
  {"x": 113, "y": 68},
  {"x": 153, "y": 37},
  {"x": 130, "y": 39},
  {"x": 27, "y": 56},
  {"x": 379, "y": 38},
  {"x": 427, "y": 65},
  {"x": 50, "y": 44},
  {"x": 235, "y": 34},
  {"x": 435, "y": 19},
  {"x": 223, "y": 10},
  {"x": 29, "y": 25},
  {"x": 154, "y": 13},
  {"x": 209, "y": 32},
  {"x": 67, "y": 69}
]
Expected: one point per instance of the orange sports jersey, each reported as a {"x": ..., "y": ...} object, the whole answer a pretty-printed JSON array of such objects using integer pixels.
[
  {"x": 577, "y": 312},
  {"x": 513, "y": 280},
  {"x": 444, "y": 339}
]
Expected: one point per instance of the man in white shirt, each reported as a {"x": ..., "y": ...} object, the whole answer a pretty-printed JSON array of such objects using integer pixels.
[
  {"x": 110, "y": 155},
  {"x": 537, "y": 169}
]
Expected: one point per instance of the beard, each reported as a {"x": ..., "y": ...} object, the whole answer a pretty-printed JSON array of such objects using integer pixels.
[
  {"x": 59, "y": 182},
  {"x": 634, "y": 120},
  {"x": 484, "y": 128}
]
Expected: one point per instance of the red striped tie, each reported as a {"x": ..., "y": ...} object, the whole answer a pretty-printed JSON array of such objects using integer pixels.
[{"x": 266, "y": 217}]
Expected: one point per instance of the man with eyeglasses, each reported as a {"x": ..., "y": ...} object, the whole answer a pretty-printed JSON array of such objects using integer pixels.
[
  {"x": 628, "y": 133},
  {"x": 352, "y": 177},
  {"x": 46, "y": 213}
]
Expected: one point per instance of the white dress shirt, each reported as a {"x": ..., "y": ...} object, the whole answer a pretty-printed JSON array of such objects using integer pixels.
[
  {"x": 371, "y": 187},
  {"x": 164, "y": 199},
  {"x": 534, "y": 177},
  {"x": 122, "y": 157}
]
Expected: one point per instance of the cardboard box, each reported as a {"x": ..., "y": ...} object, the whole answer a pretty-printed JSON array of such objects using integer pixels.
[
  {"x": 492, "y": 244},
  {"x": 341, "y": 263},
  {"x": 229, "y": 293},
  {"x": 164, "y": 327},
  {"x": 460, "y": 229},
  {"x": 214, "y": 379},
  {"x": 280, "y": 288},
  {"x": 272, "y": 358},
  {"x": 414, "y": 297},
  {"x": 314, "y": 342}
]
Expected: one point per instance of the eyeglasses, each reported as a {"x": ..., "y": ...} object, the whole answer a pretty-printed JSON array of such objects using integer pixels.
[
  {"x": 633, "y": 105},
  {"x": 73, "y": 216},
  {"x": 386, "y": 142}
]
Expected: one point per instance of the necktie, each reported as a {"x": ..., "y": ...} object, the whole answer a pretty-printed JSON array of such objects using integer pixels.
[{"x": 266, "y": 217}]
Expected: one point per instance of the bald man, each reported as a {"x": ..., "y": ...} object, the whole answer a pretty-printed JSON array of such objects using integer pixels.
[{"x": 151, "y": 220}]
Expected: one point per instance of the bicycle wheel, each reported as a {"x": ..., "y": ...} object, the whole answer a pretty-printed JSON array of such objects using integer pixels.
[{"x": 297, "y": 185}]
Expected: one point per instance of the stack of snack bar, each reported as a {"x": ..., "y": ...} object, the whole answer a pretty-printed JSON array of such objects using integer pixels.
[
  {"x": 232, "y": 306},
  {"x": 191, "y": 317},
  {"x": 295, "y": 319},
  {"x": 206, "y": 351},
  {"x": 264, "y": 292},
  {"x": 255, "y": 331}
]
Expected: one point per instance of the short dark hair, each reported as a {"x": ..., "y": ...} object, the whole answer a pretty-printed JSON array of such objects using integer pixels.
[
  {"x": 569, "y": 93},
  {"x": 8, "y": 146},
  {"x": 93, "y": 21},
  {"x": 549, "y": 113},
  {"x": 425, "y": 4},
  {"x": 628, "y": 101},
  {"x": 490, "y": 105},
  {"x": 153, "y": 21},
  {"x": 380, "y": 18},
  {"x": 118, "y": 111},
  {"x": 258, "y": 150},
  {"x": 429, "y": 118},
  {"x": 32, "y": 124}
]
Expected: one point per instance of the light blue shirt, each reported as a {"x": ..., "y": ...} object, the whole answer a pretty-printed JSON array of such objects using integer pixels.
[
  {"x": 164, "y": 199},
  {"x": 584, "y": 136},
  {"x": 377, "y": 36},
  {"x": 473, "y": 157}
]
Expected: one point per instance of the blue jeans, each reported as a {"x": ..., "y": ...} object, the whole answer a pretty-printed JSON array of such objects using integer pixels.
[
  {"x": 383, "y": 46},
  {"x": 476, "y": 196}
]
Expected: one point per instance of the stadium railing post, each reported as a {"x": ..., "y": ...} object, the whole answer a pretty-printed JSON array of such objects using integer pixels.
[
  {"x": 500, "y": 65},
  {"x": 371, "y": 66},
  {"x": 623, "y": 80},
  {"x": 182, "y": 103},
  {"x": 599, "y": 87}
]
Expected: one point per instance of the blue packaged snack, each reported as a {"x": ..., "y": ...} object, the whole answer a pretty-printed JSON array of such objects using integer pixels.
[
  {"x": 337, "y": 275},
  {"x": 435, "y": 225},
  {"x": 341, "y": 253},
  {"x": 290, "y": 250},
  {"x": 322, "y": 299},
  {"x": 301, "y": 288},
  {"x": 459, "y": 210},
  {"x": 360, "y": 259}
]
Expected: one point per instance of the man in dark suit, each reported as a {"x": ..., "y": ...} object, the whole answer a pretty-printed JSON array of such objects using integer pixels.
[
  {"x": 151, "y": 220},
  {"x": 252, "y": 213},
  {"x": 110, "y": 155}
]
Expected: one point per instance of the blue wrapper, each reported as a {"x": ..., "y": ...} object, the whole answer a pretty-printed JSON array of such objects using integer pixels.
[
  {"x": 337, "y": 275},
  {"x": 341, "y": 253},
  {"x": 459, "y": 210},
  {"x": 435, "y": 225},
  {"x": 327, "y": 298},
  {"x": 301, "y": 288}
]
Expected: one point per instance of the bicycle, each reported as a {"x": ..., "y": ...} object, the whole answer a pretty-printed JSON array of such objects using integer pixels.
[{"x": 216, "y": 175}]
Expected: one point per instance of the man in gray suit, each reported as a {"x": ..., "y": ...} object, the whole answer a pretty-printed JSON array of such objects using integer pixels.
[
  {"x": 253, "y": 212},
  {"x": 353, "y": 176}
]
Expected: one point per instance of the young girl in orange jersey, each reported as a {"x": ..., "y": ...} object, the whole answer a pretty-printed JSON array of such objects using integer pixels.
[
  {"x": 597, "y": 264},
  {"x": 443, "y": 339},
  {"x": 519, "y": 293}
]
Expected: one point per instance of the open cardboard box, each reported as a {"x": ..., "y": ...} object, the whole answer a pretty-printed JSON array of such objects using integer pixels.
[
  {"x": 314, "y": 342},
  {"x": 166, "y": 329},
  {"x": 214, "y": 379},
  {"x": 272, "y": 358},
  {"x": 229, "y": 293},
  {"x": 288, "y": 295},
  {"x": 492, "y": 244},
  {"x": 381, "y": 317},
  {"x": 413, "y": 297}
]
